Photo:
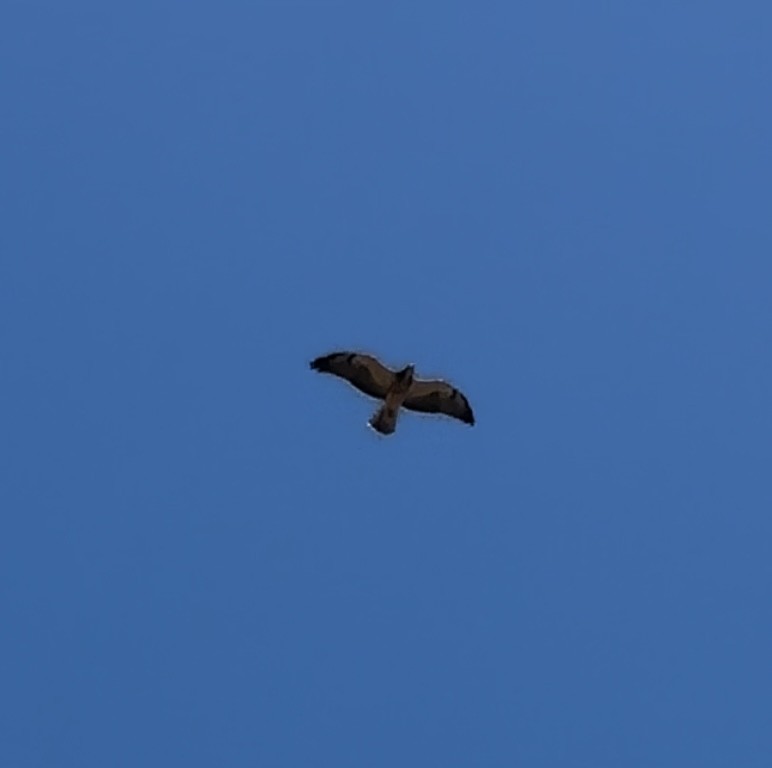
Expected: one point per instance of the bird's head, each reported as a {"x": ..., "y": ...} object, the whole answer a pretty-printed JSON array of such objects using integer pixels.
[{"x": 405, "y": 376}]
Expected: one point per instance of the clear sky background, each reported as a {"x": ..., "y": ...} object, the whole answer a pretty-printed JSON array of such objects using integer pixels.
[{"x": 208, "y": 559}]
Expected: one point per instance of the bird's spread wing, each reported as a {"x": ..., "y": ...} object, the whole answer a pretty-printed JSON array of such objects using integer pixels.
[
  {"x": 363, "y": 371},
  {"x": 438, "y": 397}
]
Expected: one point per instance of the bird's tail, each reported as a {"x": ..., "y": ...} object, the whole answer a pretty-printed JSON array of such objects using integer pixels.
[{"x": 384, "y": 420}]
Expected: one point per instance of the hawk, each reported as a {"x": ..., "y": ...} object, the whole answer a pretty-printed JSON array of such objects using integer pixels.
[{"x": 398, "y": 389}]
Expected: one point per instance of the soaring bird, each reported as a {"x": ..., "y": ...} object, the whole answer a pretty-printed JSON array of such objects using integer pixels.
[{"x": 398, "y": 389}]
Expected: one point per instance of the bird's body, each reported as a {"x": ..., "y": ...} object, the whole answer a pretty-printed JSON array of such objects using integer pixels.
[
  {"x": 398, "y": 389},
  {"x": 385, "y": 418}
]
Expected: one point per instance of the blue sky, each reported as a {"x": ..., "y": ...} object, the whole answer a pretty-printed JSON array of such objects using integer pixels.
[{"x": 206, "y": 558}]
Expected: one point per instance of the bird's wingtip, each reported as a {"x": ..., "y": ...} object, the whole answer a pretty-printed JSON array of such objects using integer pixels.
[{"x": 321, "y": 364}]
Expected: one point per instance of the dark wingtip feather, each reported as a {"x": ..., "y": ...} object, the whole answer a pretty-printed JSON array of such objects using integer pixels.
[
  {"x": 468, "y": 415},
  {"x": 322, "y": 363}
]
